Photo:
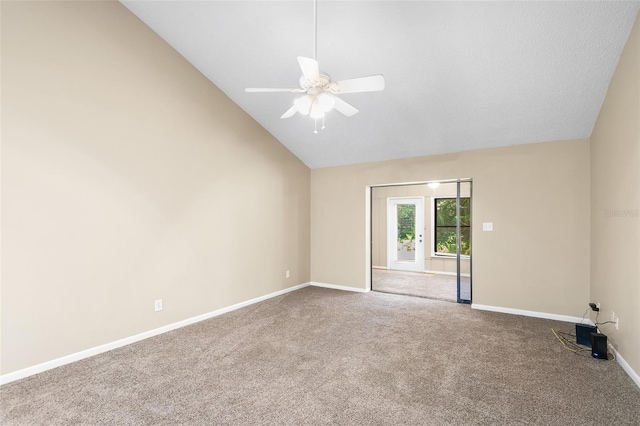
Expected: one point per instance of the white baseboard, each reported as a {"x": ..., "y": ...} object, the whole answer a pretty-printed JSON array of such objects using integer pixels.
[
  {"x": 379, "y": 267},
  {"x": 566, "y": 318},
  {"x": 29, "y": 371},
  {"x": 67, "y": 359},
  {"x": 626, "y": 367},
  {"x": 339, "y": 287},
  {"x": 535, "y": 314}
]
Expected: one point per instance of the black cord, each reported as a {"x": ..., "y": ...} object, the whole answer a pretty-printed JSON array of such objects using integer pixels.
[{"x": 606, "y": 322}]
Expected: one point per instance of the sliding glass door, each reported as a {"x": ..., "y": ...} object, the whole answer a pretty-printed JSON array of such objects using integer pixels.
[
  {"x": 463, "y": 240},
  {"x": 421, "y": 239}
]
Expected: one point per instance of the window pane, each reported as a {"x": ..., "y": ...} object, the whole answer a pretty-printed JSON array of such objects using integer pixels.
[
  {"x": 406, "y": 231},
  {"x": 445, "y": 212},
  {"x": 406, "y": 220},
  {"x": 446, "y": 239},
  {"x": 445, "y": 226},
  {"x": 465, "y": 212}
]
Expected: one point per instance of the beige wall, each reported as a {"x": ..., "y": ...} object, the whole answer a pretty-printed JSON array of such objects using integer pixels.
[
  {"x": 128, "y": 177},
  {"x": 615, "y": 203},
  {"x": 379, "y": 197},
  {"x": 537, "y": 196}
]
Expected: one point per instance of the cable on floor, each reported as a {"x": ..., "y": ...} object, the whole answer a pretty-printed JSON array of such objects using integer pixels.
[
  {"x": 567, "y": 344},
  {"x": 574, "y": 347}
]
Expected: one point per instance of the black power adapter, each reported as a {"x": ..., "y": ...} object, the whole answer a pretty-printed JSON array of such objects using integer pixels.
[
  {"x": 594, "y": 307},
  {"x": 599, "y": 346}
]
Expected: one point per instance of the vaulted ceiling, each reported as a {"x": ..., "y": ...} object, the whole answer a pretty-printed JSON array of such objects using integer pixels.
[{"x": 459, "y": 75}]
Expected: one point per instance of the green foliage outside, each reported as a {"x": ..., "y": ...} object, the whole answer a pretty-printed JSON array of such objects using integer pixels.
[
  {"x": 446, "y": 226},
  {"x": 406, "y": 225}
]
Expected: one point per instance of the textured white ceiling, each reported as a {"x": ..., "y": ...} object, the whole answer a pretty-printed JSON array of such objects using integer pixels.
[{"x": 459, "y": 75}]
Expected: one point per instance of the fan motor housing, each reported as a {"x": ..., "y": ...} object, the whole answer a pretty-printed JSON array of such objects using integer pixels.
[{"x": 322, "y": 82}]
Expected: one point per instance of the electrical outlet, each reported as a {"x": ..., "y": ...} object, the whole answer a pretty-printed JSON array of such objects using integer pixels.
[
  {"x": 598, "y": 305},
  {"x": 158, "y": 305},
  {"x": 287, "y": 274},
  {"x": 617, "y": 322}
]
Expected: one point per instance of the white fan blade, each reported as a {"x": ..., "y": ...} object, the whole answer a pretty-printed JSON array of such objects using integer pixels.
[
  {"x": 270, "y": 90},
  {"x": 372, "y": 83},
  {"x": 310, "y": 68},
  {"x": 290, "y": 112},
  {"x": 343, "y": 107}
]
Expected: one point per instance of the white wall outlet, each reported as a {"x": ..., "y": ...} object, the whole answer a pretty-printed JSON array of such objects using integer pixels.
[
  {"x": 617, "y": 322},
  {"x": 158, "y": 305},
  {"x": 487, "y": 226},
  {"x": 287, "y": 274},
  {"x": 598, "y": 305}
]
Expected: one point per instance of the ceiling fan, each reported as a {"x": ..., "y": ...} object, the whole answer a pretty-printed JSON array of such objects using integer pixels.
[{"x": 319, "y": 90}]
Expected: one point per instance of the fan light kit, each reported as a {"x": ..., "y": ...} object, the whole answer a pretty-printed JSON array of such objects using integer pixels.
[{"x": 320, "y": 91}]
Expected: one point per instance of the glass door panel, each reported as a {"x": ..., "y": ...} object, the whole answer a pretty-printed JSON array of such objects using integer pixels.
[
  {"x": 463, "y": 240},
  {"x": 405, "y": 234}
]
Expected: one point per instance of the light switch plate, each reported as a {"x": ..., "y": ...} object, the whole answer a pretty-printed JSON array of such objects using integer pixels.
[{"x": 487, "y": 226}]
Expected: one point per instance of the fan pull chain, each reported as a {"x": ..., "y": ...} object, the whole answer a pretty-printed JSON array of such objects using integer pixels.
[{"x": 315, "y": 125}]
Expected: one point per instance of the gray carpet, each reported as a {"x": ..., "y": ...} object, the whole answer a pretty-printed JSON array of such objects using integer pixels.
[
  {"x": 431, "y": 286},
  {"x": 318, "y": 356}
]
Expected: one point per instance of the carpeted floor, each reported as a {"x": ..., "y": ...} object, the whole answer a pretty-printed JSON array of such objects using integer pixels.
[
  {"x": 319, "y": 356},
  {"x": 431, "y": 286}
]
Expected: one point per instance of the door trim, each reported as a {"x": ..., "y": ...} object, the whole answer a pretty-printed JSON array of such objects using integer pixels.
[{"x": 392, "y": 234}]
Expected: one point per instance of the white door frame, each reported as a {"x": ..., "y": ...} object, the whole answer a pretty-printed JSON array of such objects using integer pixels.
[{"x": 417, "y": 265}]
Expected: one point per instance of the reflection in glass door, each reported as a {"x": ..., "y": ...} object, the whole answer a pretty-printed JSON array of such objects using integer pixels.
[
  {"x": 435, "y": 266},
  {"x": 463, "y": 240},
  {"x": 405, "y": 230}
]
